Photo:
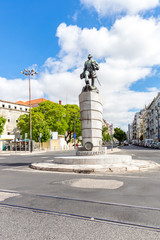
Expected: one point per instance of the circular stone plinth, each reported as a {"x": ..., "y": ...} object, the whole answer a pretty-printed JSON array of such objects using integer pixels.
[
  {"x": 130, "y": 166},
  {"x": 93, "y": 160}
]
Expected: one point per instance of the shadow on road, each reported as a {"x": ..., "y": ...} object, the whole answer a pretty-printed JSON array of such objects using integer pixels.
[{"x": 14, "y": 164}]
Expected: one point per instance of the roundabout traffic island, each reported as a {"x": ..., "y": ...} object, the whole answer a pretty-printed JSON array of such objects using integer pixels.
[{"x": 110, "y": 163}]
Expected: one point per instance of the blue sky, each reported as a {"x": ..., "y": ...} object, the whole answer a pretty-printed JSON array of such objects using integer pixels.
[
  {"x": 55, "y": 37},
  {"x": 28, "y": 29}
]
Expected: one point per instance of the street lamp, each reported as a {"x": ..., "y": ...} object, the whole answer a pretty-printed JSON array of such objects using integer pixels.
[
  {"x": 29, "y": 73},
  {"x": 74, "y": 134},
  {"x": 111, "y": 126}
]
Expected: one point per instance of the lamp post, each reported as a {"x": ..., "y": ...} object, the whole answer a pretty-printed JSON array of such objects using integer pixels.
[
  {"x": 74, "y": 134},
  {"x": 29, "y": 73},
  {"x": 111, "y": 137}
]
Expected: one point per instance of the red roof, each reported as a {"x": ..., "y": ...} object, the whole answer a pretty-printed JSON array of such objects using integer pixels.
[
  {"x": 39, "y": 100},
  {"x": 34, "y": 103},
  {"x": 21, "y": 102}
]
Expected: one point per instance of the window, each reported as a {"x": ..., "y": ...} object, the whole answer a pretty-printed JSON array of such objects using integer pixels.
[
  {"x": 26, "y": 109},
  {"x": 15, "y": 107},
  {"x": 9, "y": 106},
  {"x": 20, "y": 108},
  {"x": 8, "y": 120},
  {"x": 3, "y": 105},
  {"x": 16, "y": 121},
  {"x": 8, "y": 133}
]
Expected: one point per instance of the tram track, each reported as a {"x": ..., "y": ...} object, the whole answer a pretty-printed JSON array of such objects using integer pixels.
[
  {"x": 81, "y": 216},
  {"x": 83, "y": 200}
]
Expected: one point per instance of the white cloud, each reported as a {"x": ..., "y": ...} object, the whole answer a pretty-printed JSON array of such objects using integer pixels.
[
  {"x": 131, "y": 40},
  {"x": 117, "y": 106},
  {"x": 126, "y": 53},
  {"x": 18, "y": 89},
  {"x": 108, "y": 7}
]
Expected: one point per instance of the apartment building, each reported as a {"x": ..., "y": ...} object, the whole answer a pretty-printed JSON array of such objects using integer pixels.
[
  {"x": 152, "y": 119},
  {"x": 146, "y": 123},
  {"x": 130, "y": 132},
  {"x": 11, "y": 112}
]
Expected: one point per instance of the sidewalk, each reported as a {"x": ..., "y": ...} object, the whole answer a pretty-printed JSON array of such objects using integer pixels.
[{"x": 9, "y": 153}]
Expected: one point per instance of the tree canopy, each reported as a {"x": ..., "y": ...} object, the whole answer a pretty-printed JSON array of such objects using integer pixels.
[
  {"x": 39, "y": 125},
  {"x": 120, "y": 135},
  {"x": 2, "y": 123},
  {"x": 73, "y": 121},
  {"x": 54, "y": 117},
  {"x": 105, "y": 135}
]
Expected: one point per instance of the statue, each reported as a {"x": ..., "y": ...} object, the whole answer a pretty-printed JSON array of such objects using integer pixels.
[{"x": 89, "y": 72}]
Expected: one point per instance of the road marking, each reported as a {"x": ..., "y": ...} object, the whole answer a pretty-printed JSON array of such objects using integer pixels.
[
  {"x": 4, "y": 195},
  {"x": 17, "y": 169}
]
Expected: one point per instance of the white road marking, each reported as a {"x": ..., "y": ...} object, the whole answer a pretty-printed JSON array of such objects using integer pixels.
[{"x": 4, "y": 195}]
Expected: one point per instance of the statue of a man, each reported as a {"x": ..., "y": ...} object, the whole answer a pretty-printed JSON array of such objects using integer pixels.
[{"x": 89, "y": 71}]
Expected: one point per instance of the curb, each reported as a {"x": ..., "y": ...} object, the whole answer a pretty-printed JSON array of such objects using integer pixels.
[{"x": 134, "y": 166}]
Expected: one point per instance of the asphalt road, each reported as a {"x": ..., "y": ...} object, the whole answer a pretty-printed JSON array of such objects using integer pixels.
[{"x": 47, "y": 205}]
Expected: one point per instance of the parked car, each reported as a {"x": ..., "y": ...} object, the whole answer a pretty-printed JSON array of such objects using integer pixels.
[
  {"x": 154, "y": 145},
  {"x": 157, "y": 145},
  {"x": 126, "y": 143},
  {"x": 148, "y": 142}
]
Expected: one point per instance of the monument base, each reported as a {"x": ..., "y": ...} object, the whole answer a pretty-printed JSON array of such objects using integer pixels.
[
  {"x": 82, "y": 152},
  {"x": 91, "y": 122},
  {"x": 93, "y": 160}
]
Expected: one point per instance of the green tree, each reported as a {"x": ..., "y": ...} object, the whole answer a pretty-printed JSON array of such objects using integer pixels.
[
  {"x": 52, "y": 116},
  {"x": 39, "y": 125},
  {"x": 2, "y": 123},
  {"x": 120, "y": 135},
  {"x": 73, "y": 121},
  {"x": 55, "y": 116},
  {"x": 105, "y": 135}
]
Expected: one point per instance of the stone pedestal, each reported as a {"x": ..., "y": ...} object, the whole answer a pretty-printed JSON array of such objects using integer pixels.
[{"x": 91, "y": 120}]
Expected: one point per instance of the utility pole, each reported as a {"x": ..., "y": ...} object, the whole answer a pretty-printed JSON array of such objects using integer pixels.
[
  {"x": 111, "y": 137},
  {"x": 30, "y": 73},
  {"x": 74, "y": 132}
]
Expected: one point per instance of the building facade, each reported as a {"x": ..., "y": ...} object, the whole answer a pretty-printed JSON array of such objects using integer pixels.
[
  {"x": 137, "y": 126},
  {"x": 146, "y": 123},
  {"x": 152, "y": 119},
  {"x": 11, "y": 112}
]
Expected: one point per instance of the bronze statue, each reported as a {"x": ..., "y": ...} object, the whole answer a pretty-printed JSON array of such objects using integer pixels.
[{"x": 89, "y": 72}]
